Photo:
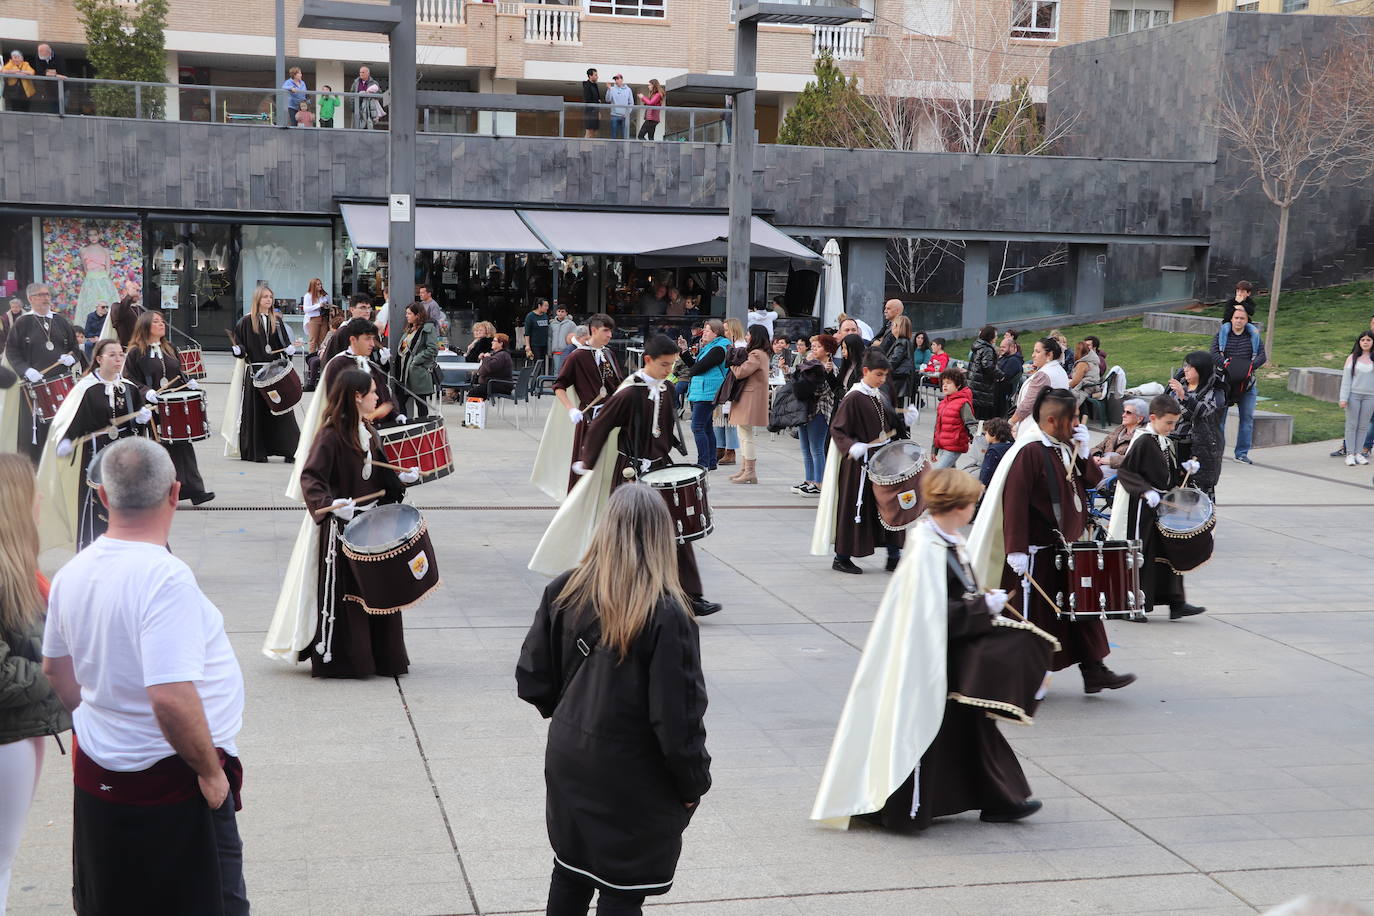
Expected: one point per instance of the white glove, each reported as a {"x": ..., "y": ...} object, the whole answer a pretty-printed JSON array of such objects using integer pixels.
[
  {"x": 1019, "y": 562},
  {"x": 725, "y": 409},
  {"x": 1080, "y": 438},
  {"x": 400, "y": 418},
  {"x": 193, "y": 384},
  {"x": 64, "y": 448},
  {"x": 858, "y": 450},
  {"x": 739, "y": 344},
  {"x": 911, "y": 414},
  {"x": 579, "y": 468},
  {"x": 67, "y": 360},
  {"x": 291, "y": 351},
  {"x": 344, "y": 509},
  {"x": 409, "y": 476},
  {"x": 384, "y": 356},
  {"x": 575, "y": 415},
  {"x": 1152, "y": 498},
  {"x": 151, "y": 396},
  {"x": 143, "y": 417},
  {"x": 996, "y": 599},
  {"x": 1192, "y": 466},
  {"x": 33, "y": 375},
  {"x": 237, "y": 350}
]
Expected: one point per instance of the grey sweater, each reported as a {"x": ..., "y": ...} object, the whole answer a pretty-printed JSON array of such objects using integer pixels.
[{"x": 1362, "y": 383}]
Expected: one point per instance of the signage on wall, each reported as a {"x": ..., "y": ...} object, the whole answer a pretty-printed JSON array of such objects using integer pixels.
[{"x": 400, "y": 208}]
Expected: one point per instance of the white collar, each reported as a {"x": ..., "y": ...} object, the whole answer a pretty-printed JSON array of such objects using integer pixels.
[
  {"x": 956, "y": 539},
  {"x": 1163, "y": 440},
  {"x": 866, "y": 389},
  {"x": 655, "y": 384}
]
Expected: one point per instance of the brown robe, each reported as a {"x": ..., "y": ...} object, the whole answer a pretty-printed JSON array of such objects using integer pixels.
[
  {"x": 631, "y": 411},
  {"x": 1028, "y": 521},
  {"x": 346, "y": 360},
  {"x": 154, "y": 369},
  {"x": 861, "y": 417},
  {"x": 363, "y": 644},
  {"x": 123, "y": 316},
  {"x": 591, "y": 381},
  {"x": 1148, "y": 467}
]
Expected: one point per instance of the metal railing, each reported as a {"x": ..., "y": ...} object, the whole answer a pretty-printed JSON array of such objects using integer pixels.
[
  {"x": 556, "y": 25},
  {"x": 842, "y": 42},
  {"x": 439, "y": 12}
]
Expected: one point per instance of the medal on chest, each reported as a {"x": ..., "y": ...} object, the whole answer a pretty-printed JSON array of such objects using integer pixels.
[{"x": 49, "y": 345}]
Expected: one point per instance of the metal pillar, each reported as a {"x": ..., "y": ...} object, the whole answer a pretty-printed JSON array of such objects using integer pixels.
[
  {"x": 742, "y": 173},
  {"x": 280, "y": 94},
  {"x": 401, "y": 169},
  {"x": 975, "y": 311}
]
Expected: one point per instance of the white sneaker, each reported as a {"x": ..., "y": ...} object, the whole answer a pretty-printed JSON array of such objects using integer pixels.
[
  {"x": 1350, "y": 461},
  {"x": 1360, "y": 458}
]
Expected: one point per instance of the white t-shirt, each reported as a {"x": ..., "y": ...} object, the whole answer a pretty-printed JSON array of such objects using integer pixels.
[
  {"x": 765, "y": 318},
  {"x": 312, "y": 306},
  {"x": 131, "y": 615}
]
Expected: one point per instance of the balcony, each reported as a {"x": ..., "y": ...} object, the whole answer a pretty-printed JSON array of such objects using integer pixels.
[
  {"x": 843, "y": 42},
  {"x": 553, "y": 25},
  {"x": 439, "y": 12}
]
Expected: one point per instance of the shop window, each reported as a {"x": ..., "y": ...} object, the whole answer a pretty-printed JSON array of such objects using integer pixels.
[{"x": 1035, "y": 19}]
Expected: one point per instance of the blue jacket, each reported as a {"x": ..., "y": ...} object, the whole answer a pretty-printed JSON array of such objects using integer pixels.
[
  {"x": 1239, "y": 375},
  {"x": 705, "y": 386}
]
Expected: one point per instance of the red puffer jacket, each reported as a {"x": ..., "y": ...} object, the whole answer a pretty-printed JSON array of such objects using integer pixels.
[{"x": 951, "y": 435}]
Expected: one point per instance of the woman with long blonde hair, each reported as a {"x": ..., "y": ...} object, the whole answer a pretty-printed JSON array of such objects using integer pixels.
[
  {"x": 29, "y": 707},
  {"x": 727, "y": 435},
  {"x": 314, "y": 304},
  {"x": 152, "y": 364},
  {"x": 259, "y": 338},
  {"x": 614, "y": 658}
]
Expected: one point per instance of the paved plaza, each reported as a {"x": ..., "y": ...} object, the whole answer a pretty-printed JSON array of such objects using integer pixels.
[{"x": 1237, "y": 773}]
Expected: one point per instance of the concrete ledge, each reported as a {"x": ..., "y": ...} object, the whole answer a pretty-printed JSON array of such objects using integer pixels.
[
  {"x": 1181, "y": 323},
  {"x": 1316, "y": 382},
  {"x": 1270, "y": 429}
]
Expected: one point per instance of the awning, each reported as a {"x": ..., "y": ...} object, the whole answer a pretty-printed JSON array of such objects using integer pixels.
[
  {"x": 443, "y": 229},
  {"x": 666, "y": 239}
]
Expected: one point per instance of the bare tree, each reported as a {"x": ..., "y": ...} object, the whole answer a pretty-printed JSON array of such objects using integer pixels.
[{"x": 1301, "y": 124}]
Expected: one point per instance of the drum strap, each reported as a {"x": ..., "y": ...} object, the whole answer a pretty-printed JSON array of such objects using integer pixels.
[
  {"x": 586, "y": 642},
  {"x": 1052, "y": 481}
]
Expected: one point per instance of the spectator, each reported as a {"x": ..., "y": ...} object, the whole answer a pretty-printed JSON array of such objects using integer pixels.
[
  {"x": 677, "y": 306},
  {"x": 955, "y": 425},
  {"x": 982, "y": 374},
  {"x": 1064, "y": 348},
  {"x": 1338, "y": 453},
  {"x": 29, "y": 707},
  {"x": 1200, "y": 391},
  {"x": 17, "y": 92},
  {"x": 95, "y": 323},
  {"x": 760, "y": 315},
  {"x": 483, "y": 333},
  {"x": 45, "y": 92},
  {"x": 750, "y": 410},
  {"x": 417, "y": 363},
  {"x": 367, "y": 109},
  {"x": 1101, "y": 356},
  {"x": 615, "y": 819},
  {"x": 1049, "y": 372},
  {"x": 622, "y": 99},
  {"x": 850, "y": 365},
  {"x": 83, "y": 349},
  {"x": 328, "y": 104},
  {"x": 898, "y": 347},
  {"x": 141, "y": 656},
  {"x": 1010, "y": 371},
  {"x": 304, "y": 117},
  {"x": 1085, "y": 381},
  {"x": 1110, "y": 451},
  {"x": 706, "y": 370},
  {"x": 653, "y": 111},
  {"x": 1357, "y": 394},
  {"x": 777, "y": 305},
  {"x": 920, "y": 349},
  {"x": 817, "y": 384},
  {"x": 497, "y": 372},
  {"x": 8, "y": 318},
  {"x": 295, "y": 94},
  {"x": 892, "y": 308},
  {"x": 433, "y": 310},
  {"x": 314, "y": 304},
  {"x": 727, "y": 436},
  {"x": 559, "y": 328},
  {"x": 850, "y": 325},
  {"x": 657, "y": 304},
  {"x": 997, "y": 432},
  {"x": 1237, "y": 348},
  {"x": 537, "y": 331},
  {"x": 784, "y": 359},
  {"x": 1241, "y": 299},
  {"x": 591, "y": 96},
  {"x": 939, "y": 359},
  {"x": 801, "y": 348}
]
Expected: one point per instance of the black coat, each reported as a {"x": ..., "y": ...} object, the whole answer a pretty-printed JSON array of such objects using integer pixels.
[
  {"x": 982, "y": 379},
  {"x": 627, "y": 744},
  {"x": 1200, "y": 430}
]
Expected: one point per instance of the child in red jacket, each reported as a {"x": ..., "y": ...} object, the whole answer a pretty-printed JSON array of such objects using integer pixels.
[{"x": 955, "y": 425}]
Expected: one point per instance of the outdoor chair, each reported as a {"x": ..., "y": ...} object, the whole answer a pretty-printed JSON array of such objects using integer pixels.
[{"x": 520, "y": 394}]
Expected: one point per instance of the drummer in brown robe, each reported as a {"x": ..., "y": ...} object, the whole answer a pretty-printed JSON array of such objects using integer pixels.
[
  {"x": 906, "y": 750},
  {"x": 592, "y": 374},
  {"x": 153, "y": 365},
  {"x": 41, "y": 346},
  {"x": 260, "y": 337},
  {"x": 641, "y": 412},
  {"x": 361, "y": 337},
  {"x": 847, "y": 515},
  {"x": 1035, "y": 519},
  {"x": 1150, "y": 469},
  {"x": 343, "y": 467}
]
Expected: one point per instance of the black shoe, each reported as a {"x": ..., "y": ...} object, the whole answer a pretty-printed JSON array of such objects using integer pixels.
[
  {"x": 1244, "y": 458},
  {"x": 1095, "y": 680},
  {"x": 1339, "y": 453},
  {"x": 846, "y": 566},
  {"x": 703, "y": 608},
  {"x": 259, "y": 460},
  {"x": 1025, "y": 809},
  {"x": 1177, "y": 611},
  {"x": 289, "y": 459},
  {"x": 892, "y": 563},
  {"x": 200, "y": 498},
  {"x": 1139, "y": 617}
]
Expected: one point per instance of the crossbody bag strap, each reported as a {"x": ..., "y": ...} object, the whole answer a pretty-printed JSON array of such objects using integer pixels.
[{"x": 586, "y": 641}]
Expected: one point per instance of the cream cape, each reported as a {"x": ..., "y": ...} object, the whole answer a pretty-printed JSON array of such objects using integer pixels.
[
  {"x": 293, "y": 621},
  {"x": 555, "y": 457},
  {"x": 59, "y": 479},
  {"x": 986, "y": 546},
  {"x": 233, "y": 409},
  {"x": 1116, "y": 527},
  {"x": 897, "y": 700},
  {"x": 9, "y": 412},
  {"x": 314, "y": 419},
  {"x": 827, "y": 508}
]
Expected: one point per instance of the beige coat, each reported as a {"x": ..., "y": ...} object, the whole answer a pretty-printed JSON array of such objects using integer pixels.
[{"x": 751, "y": 407}]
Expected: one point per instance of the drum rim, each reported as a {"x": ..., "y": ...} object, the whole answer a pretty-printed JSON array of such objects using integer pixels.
[
  {"x": 187, "y": 395},
  {"x": 387, "y": 549},
  {"x": 285, "y": 369},
  {"x": 894, "y": 479},
  {"x": 431, "y": 423},
  {"x": 698, "y": 475}
]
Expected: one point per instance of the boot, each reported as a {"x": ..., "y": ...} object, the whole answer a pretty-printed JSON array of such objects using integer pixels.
[
  {"x": 728, "y": 457},
  {"x": 720, "y": 453},
  {"x": 747, "y": 475},
  {"x": 1098, "y": 677}
]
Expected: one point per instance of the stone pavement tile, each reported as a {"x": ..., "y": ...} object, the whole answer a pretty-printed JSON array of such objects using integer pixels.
[
  {"x": 1096, "y": 764},
  {"x": 1240, "y": 854},
  {"x": 429, "y": 899},
  {"x": 1111, "y": 861},
  {"x": 864, "y": 872},
  {"x": 1214, "y": 828},
  {"x": 1168, "y": 804},
  {"x": 1294, "y": 824},
  {"x": 1271, "y": 887},
  {"x": 1354, "y": 776}
]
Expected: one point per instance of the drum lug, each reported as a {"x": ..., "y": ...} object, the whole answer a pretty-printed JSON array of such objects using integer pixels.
[
  {"x": 1058, "y": 561},
  {"x": 1140, "y": 600},
  {"x": 675, "y": 503},
  {"x": 1073, "y": 600},
  {"x": 1102, "y": 604},
  {"x": 1101, "y": 561}
]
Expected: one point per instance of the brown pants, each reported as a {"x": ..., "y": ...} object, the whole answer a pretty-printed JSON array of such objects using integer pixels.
[{"x": 316, "y": 327}]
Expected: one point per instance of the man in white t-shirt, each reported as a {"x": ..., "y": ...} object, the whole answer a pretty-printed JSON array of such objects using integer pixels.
[{"x": 140, "y": 656}]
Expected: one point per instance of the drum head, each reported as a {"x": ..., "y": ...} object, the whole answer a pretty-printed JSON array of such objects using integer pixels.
[
  {"x": 673, "y": 475},
  {"x": 896, "y": 461},
  {"x": 272, "y": 371},
  {"x": 1184, "y": 509},
  {"x": 379, "y": 530},
  {"x": 93, "y": 470},
  {"x": 185, "y": 395}
]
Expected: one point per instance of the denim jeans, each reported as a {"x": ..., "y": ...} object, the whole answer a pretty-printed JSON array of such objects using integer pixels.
[
  {"x": 618, "y": 129},
  {"x": 680, "y": 392},
  {"x": 1246, "y": 427},
  {"x": 948, "y": 459},
  {"x": 704, "y": 433},
  {"x": 815, "y": 439}
]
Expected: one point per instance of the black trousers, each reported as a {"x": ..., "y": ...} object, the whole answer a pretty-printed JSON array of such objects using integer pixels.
[
  {"x": 647, "y": 129},
  {"x": 571, "y": 897}
]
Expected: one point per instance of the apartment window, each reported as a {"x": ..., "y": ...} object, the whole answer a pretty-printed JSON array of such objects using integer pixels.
[
  {"x": 1138, "y": 15},
  {"x": 644, "y": 9},
  {"x": 1035, "y": 19},
  {"x": 1294, "y": 6},
  {"x": 1251, "y": 7}
]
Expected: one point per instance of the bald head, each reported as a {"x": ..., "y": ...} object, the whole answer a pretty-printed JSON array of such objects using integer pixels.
[{"x": 892, "y": 308}]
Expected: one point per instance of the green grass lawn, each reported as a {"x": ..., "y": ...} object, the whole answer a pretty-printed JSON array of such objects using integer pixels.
[{"x": 1314, "y": 328}]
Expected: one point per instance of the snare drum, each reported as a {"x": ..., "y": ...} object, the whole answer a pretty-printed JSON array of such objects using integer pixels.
[
  {"x": 1184, "y": 518},
  {"x": 423, "y": 445},
  {"x": 181, "y": 416},
  {"x": 391, "y": 558},
  {"x": 192, "y": 361},
  {"x": 46, "y": 397},
  {"x": 279, "y": 385},
  {"x": 1002, "y": 671},
  {"x": 1103, "y": 579},
  {"x": 683, "y": 488},
  {"x": 895, "y": 471}
]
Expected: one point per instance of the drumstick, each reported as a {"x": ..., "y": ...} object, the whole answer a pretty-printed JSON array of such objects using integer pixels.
[
  {"x": 392, "y": 467},
  {"x": 169, "y": 389},
  {"x": 1186, "y": 475},
  {"x": 321, "y": 513},
  {"x": 50, "y": 368},
  {"x": 1043, "y": 594},
  {"x": 114, "y": 426},
  {"x": 1008, "y": 609}
]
